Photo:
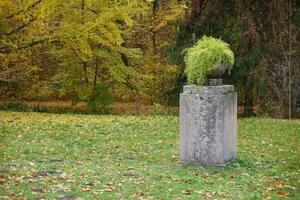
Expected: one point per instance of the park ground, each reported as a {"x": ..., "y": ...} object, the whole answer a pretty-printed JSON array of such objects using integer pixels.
[{"x": 69, "y": 156}]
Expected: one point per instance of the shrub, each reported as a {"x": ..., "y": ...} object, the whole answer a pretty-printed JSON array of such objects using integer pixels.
[
  {"x": 204, "y": 56},
  {"x": 14, "y": 105},
  {"x": 100, "y": 99}
]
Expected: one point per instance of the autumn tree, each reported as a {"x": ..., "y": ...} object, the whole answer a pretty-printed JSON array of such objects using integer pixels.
[
  {"x": 83, "y": 37},
  {"x": 155, "y": 28},
  {"x": 76, "y": 45}
]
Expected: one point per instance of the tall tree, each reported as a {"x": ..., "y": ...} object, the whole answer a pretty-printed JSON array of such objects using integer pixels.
[
  {"x": 76, "y": 33},
  {"x": 251, "y": 29}
]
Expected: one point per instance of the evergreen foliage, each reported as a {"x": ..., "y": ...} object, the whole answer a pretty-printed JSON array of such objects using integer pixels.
[
  {"x": 100, "y": 99},
  {"x": 260, "y": 34}
]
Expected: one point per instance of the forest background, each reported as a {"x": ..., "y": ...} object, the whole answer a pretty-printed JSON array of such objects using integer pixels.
[{"x": 96, "y": 52}]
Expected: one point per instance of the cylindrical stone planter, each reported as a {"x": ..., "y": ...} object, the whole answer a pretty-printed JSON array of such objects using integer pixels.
[{"x": 208, "y": 124}]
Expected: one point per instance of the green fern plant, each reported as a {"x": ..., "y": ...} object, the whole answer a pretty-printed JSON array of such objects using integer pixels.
[{"x": 204, "y": 56}]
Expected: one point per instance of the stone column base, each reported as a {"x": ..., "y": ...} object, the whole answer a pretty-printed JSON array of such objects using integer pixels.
[{"x": 208, "y": 124}]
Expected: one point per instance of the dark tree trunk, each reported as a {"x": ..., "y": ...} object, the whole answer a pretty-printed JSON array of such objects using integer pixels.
[
  {"x": 248, "y": 101},
  {"x": 155, "y": 7},
  {"x": 96, "y": 74},
  {"x": 85, "y": 72},
  {"x": 196, "y": 6}
]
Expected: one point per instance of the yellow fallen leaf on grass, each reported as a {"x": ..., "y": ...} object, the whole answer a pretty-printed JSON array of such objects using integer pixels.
[{"x": 86, "y": 189}]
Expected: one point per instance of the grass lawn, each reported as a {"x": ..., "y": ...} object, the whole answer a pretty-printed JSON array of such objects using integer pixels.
[{"x": 68, "y": 156}]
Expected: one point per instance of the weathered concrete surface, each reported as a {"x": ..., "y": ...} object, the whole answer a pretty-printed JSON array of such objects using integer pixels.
[{"x": 208, "y": 124}]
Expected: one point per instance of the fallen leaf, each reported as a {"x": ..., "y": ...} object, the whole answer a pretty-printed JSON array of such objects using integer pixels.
[
  {"x": 187, "y": 192},
  {"x": 31, "y": 180},
  {"x": 63, "y": 176},
  {"x": 83, "y": 175},
  {"x": 109, "y": 187},
  {"x": 278, "y": 185},
  {"x": 2, "y": 181},
  {"x": 208, "y": 194},
  {"x": 137, "y": 194},
  {"x": 86, "y": 189},
  {"x": 19, "y": 179},
  {"x": 282, "y": 194}
]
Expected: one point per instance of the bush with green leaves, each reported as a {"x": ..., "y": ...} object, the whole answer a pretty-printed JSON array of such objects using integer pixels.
[
  {"x": 204, "y": 56},
  {"x": 100, "y": 99}
]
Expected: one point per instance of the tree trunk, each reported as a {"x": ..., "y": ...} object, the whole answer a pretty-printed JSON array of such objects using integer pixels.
[
  {"x": 290, "y": 61},
  {"x": 85, "y": 72},
  {"x": 155, "y": 7},
  {"x": 248, "y": 102},
  {"x": 96, "y": 75}
]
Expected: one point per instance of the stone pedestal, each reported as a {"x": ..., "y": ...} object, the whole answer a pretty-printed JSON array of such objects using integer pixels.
[{"x": 208, "y": 124}]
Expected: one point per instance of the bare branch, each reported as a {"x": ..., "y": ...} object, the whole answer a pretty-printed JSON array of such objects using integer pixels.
[{"x": 284, "y": 53}]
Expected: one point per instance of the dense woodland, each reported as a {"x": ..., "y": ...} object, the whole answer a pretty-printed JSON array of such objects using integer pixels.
[{"x": 103, "y": 51}]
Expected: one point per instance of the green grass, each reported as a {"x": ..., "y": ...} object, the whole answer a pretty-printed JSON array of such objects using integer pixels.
[{"x": 55, "y": 156}]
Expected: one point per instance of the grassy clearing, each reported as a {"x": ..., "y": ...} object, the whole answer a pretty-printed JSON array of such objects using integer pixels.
[{"x": 125, "y": 157}]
